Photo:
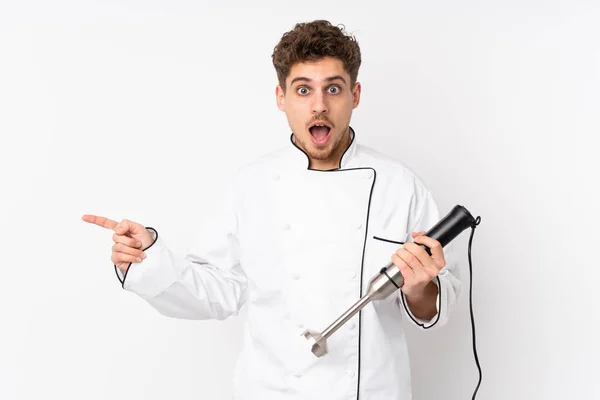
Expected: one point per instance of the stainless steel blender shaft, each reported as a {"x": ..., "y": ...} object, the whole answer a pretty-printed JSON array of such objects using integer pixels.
[{"x": 387, "y": 281}]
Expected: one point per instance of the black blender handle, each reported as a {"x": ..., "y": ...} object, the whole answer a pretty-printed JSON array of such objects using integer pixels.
[{"x": 449, "y": 227}]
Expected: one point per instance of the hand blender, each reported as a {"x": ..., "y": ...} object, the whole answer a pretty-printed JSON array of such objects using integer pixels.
[{"x": 389, "y": 279}]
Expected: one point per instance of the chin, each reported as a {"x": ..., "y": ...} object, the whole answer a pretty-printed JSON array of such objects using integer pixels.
[
  {"x": 315, "y": 151},
  {"x": 320, "y": 154}
]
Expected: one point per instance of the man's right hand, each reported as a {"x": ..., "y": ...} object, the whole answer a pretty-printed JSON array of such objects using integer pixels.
[{"x": 129, "y": 237}]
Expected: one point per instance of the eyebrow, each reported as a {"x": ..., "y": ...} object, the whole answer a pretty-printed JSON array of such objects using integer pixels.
[{"x": 328, "y": 79}]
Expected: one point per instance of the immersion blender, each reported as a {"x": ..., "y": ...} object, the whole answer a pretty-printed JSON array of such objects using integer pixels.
[{"x": 389, "y": 279}]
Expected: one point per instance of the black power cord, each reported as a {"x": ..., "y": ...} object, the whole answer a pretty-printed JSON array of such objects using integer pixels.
[{"x": 477, "y": 221}]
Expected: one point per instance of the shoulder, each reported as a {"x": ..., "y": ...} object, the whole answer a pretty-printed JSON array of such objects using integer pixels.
[
  {"x": 391, "y": 170},
  {"x": 399, "y": 186},
  {"x": 254, "y": 174},
  {"x": 264, "y": 163}
]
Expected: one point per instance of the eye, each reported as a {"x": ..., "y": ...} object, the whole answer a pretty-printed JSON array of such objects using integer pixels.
[
  {"x": 302, "y": 90},
  {"x": 337, "y": 89}
]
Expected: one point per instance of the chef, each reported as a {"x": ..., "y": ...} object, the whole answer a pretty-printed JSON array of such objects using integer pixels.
[{"x": 298, "y": 235}]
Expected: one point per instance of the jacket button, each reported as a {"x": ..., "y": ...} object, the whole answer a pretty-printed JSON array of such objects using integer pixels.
[
  {"x": 352, "y": 275},
  {"x": 369, "y": 174},
  {"x": 276, "y": 177},
  {"x": 358, "y": 226},
  {"x": 287, "y": 227},
  {"x": 350, "y": 374},
  {"x": 352, "y": 325}
]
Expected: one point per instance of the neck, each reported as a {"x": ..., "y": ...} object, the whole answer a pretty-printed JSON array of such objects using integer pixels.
[{"x": 334, "y": 160}]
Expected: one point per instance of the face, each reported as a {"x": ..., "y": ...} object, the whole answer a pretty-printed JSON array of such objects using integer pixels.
[{"x": 319, "y": 93}]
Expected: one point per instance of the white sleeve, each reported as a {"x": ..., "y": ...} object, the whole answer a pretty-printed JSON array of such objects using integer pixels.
[
  {"x": 207, "y": 283},
  {"x": 448, "y": 280}
]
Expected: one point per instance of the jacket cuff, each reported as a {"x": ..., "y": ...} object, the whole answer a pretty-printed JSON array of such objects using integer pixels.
[
  {"x": 426, "y": 324},
  {"x": 123, "y": 276}
]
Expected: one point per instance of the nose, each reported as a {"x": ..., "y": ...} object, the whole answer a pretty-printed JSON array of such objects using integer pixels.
[{"x": 319, "y": 104}]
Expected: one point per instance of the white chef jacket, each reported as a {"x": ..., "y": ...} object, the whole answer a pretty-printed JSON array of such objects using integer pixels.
[{"x": 298, "y": 247}]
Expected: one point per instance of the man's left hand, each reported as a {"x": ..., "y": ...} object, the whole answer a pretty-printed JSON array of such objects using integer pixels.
[{"x": 419, "y": 268}]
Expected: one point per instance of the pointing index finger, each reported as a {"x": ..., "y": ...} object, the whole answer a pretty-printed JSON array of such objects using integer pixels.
[{"x": 100, "y": 221}]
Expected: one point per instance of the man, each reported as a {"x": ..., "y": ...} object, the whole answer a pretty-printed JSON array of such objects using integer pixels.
[{"x": 300, "y": 233}]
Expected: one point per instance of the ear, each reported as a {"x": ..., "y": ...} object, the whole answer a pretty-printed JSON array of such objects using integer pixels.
[
  {"x": 356, "y": 95},
  {"x": 280, "y": 97}
]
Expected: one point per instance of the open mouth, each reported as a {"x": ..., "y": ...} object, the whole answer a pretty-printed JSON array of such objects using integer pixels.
[{"x": 319, "y": 132}]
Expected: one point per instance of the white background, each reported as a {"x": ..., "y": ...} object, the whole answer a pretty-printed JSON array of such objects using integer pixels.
[{"x": 144, "y": 109}]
